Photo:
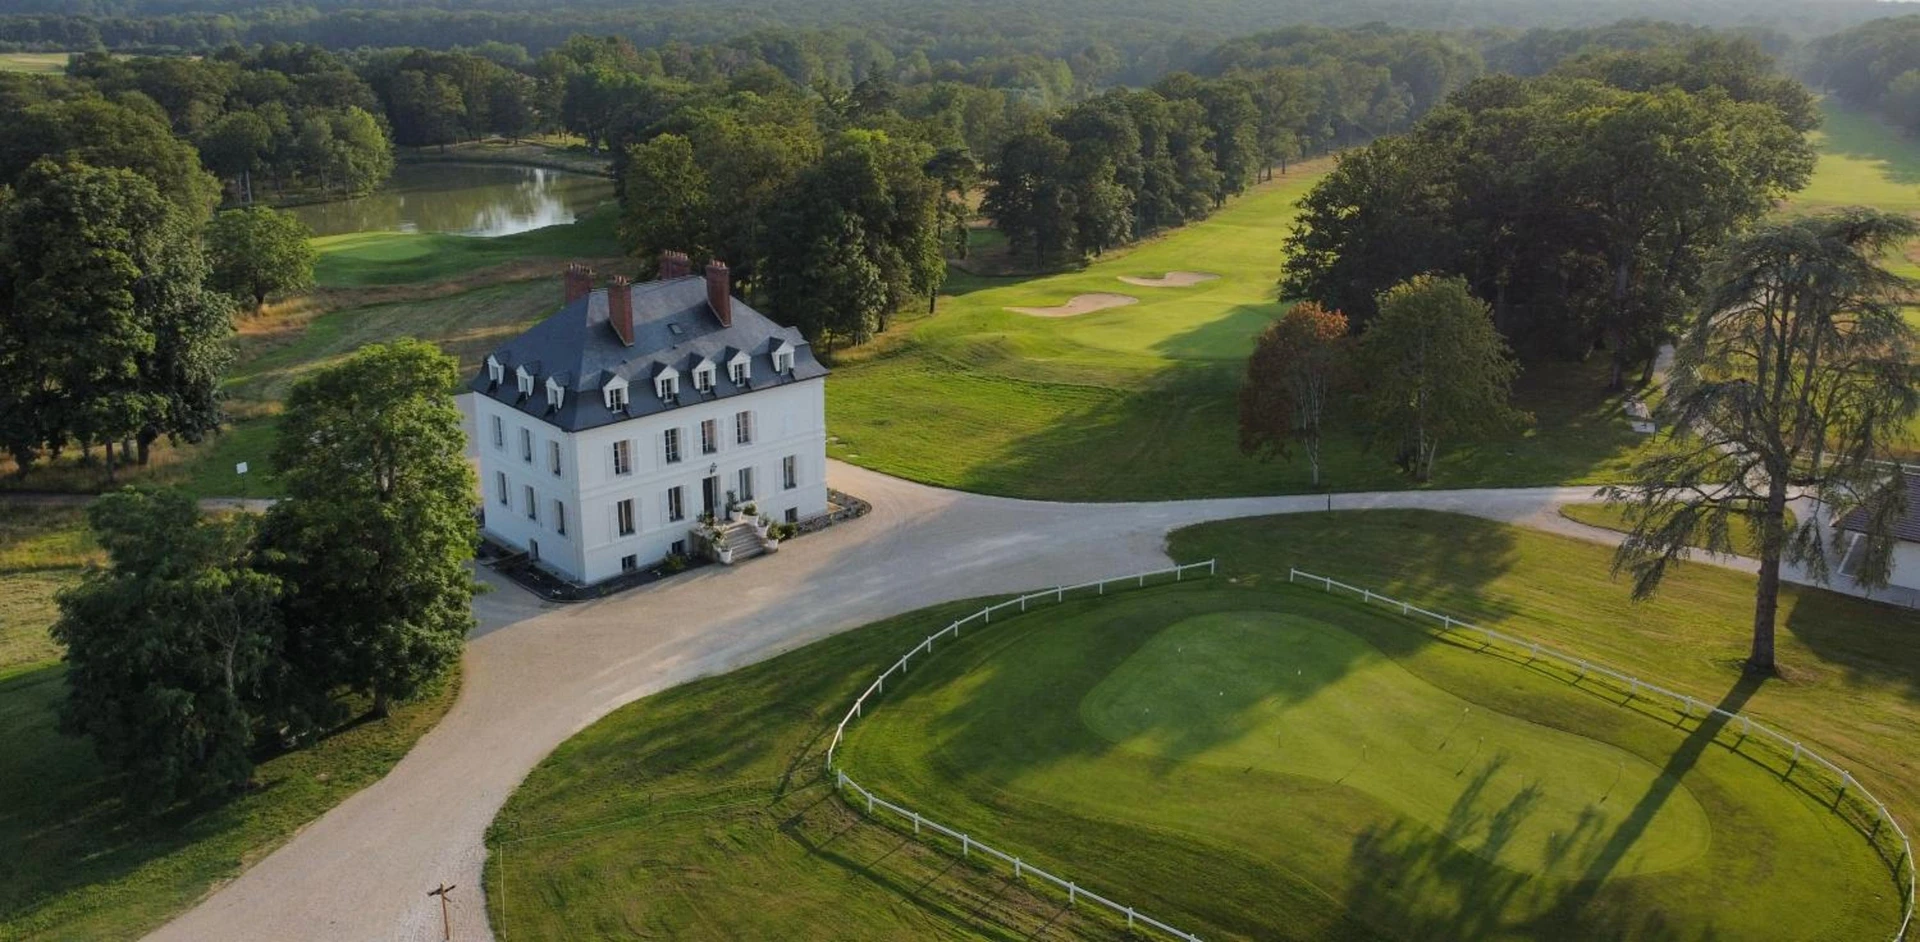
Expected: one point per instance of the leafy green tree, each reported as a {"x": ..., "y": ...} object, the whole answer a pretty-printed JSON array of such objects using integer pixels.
[
  {"x": 664, "y": 200},
  {"x": 101, "y": 133},
  {"x": 258, "y": 252},
  {"x": 1296, "y": 363},
  {"x": 1435, "y": 371},
  {"x": 427, "y": 109},
  {"x": 1029, "y": 199},
  {"x": 857, "y": 236},
  {"x": 76, "y": 245},
  {"x": 236, "y": 145},
  {"x": 374, "y": 540},
  {"x": 167, "y": 646},
  {"x": 1798, "y": 379}
]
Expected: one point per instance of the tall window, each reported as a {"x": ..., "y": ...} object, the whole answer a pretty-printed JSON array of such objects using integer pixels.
[
  {"x": 560, "y": 518},
  {"x": 789, "y": 473},
  {"x": 623, "y": 457},
  {"x": 673, "y": 445},
  {"x": 623, "y": 516},
  {"x": 676, "y": 503},
  {"x": 533, "y": 508},
  {"x": 500, "y": 482},
  {"x": 553, "y": 457},
  {"x": 739, "y": 371},
  {"x": 499, "y": 433},
  {"x": 617, "y": 399},
  {"x": 746, "y": 483},
  {"x": 526, "y": 445},
  {"x": 709, "y": 437},
  {"x": 743, "y": 428},
  {"x": 703, "y": 378}
]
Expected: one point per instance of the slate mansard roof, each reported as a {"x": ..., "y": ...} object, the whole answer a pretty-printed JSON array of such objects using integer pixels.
[{"x": 673, "y": 326}]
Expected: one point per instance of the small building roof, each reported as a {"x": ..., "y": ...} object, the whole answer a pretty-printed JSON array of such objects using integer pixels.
[{"x": 1907, "y": 527}]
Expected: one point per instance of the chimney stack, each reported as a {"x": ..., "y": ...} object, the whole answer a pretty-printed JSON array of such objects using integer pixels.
[
  {"x": 674, "y": 265},
  {"x": 720, "y": 292},
  {"x": 620, "y": 308},
  {"x": 576, "y": 282}
]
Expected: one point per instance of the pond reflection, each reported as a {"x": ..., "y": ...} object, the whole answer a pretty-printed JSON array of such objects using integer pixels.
[{"x": 466, "y": 199}]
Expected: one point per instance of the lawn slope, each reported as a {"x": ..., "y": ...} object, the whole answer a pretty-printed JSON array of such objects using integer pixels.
[
  {"x": 1138, "y": 402},
  {"x": 701, "y": 813}
]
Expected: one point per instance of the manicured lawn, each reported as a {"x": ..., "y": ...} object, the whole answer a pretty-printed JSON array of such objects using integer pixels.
[
  {"x": 1866, "y": 162},
  {"x": 396, "y": 258},
  {"x": 1290, "y": 769},
  {"x": 74, "y": 863},
  {"x": 40, "y": 62},
  {"x": 1274, "y": 763},
  {"x": 1138, "y": 401},
  {"x": 42, "y": 549}
]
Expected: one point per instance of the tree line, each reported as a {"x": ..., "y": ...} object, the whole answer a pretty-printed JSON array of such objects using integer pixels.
[
  {"x": 1874, "y": 67},
  {"x": 208, "y": 641},
  {"x": 1583, "y": 204}
]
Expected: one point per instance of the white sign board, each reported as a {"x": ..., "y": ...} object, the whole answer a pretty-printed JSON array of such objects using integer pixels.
[{"x": 240, "y": 468}]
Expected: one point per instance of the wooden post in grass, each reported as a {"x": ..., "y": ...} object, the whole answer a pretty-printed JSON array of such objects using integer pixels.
[{"x": 446, "y": 923}]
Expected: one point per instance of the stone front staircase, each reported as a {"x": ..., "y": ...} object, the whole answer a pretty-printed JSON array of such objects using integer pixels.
[{"x": 740, "y": 538}]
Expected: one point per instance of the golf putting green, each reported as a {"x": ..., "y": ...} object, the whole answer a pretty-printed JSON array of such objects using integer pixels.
[
  {"x": 1289, "y": 694},
  {"x": 1258, "y": 762}
]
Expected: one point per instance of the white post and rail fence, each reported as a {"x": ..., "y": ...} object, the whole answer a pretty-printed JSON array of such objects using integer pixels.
[
  {"x": 1844, "y": 793},
  {"x": 1822, "y": 778},
  {"x": 969, "y": 846}
]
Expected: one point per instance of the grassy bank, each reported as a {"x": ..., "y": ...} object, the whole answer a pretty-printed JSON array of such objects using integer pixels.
[
  {"x": 362, "y": 259},
  {"x": 1138, "y": 401},
  {"x": 700, "y": 813},
  {"x": 76, "y": 864},
  {"x": 45, "y": 63}
]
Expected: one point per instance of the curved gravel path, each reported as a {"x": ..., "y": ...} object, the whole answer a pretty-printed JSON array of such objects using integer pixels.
[{"x": 537, "y": 673}]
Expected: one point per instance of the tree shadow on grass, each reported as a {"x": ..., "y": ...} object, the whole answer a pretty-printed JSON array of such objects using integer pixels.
[{"x": 1866, "y": 640}]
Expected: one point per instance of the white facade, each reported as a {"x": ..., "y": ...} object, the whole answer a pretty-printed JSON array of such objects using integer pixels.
[{"x": 592, "y": 504}]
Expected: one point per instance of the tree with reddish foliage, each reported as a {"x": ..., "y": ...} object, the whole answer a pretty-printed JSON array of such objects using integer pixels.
[{"x": 1295, "y": 363}]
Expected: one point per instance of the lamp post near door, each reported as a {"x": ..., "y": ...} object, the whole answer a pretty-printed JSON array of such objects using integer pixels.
[{"x": 446, "y": 925}]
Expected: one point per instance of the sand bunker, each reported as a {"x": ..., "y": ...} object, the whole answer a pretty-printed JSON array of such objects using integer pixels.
[
  {"x": 1172, "y": 279},
  {"x": 1081, "y": 304}
]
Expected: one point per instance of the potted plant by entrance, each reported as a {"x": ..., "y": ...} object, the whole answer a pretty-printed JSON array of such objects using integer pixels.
[
  {"x": 760, "y": 524},
  {"x": 733, "y": 506}
]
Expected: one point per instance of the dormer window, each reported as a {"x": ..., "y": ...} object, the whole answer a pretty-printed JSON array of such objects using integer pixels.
[
  {"x": 526, "y": 382},
  {"x": 783, "y": 358},
  {"x": 615, "y": 393},
  {"x": 496, "y": 373},
  {"x": 667, "y": 386},
  {"x": 556, "y": 395},
  {"x": 703, "y": 376},
  {"x": 740, "y": 368}
]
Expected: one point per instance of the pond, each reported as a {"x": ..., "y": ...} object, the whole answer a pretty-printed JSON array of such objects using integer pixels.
[{"x": 466, "y": 199}]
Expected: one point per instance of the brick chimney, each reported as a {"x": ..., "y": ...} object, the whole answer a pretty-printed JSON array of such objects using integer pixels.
[
  {"x": 720, "y": 292},
  {"x": 576, "y": 281},
  {"x": 620, "y": 308},
  {"x": 674, "y": 265}
]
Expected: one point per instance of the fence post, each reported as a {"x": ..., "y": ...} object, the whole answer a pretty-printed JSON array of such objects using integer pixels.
[
  {"x": 1059, "y": 593},
  {"x": 1214, "y": 562},
  {"x": 1023, "y": 603},
  {"x": 1177, "y": 573},
  {"x": 966, "y": 846},
  {"x": 869, "y": 802},
  {"x": 1102, "y": 588},
  {"x": 1073, "y": 894},
  {"x": 1016, "y": 868},
  {"x": 916, "y": 822},
  {"x": 1129, "y": 917},
  {"x": 1143, "y": 580},
  {"x": 1366, "y": 595}
]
